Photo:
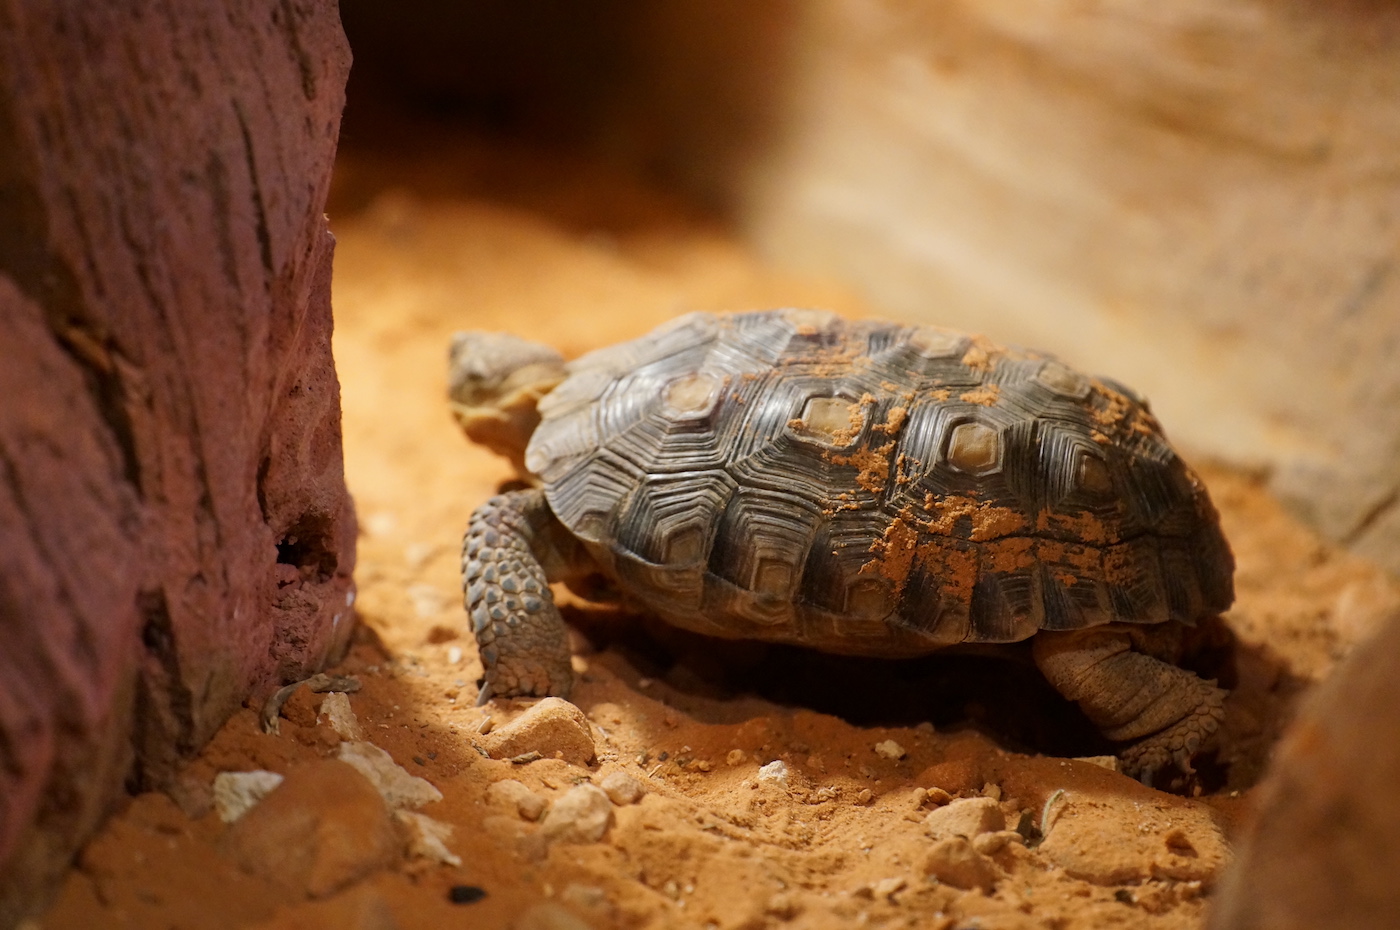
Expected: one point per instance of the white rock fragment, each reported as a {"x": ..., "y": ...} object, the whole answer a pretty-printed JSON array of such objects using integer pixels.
[
  {"x": 335, "y": 708},
  {"x": 454, "y": 655},
  {"x": 775, "y": 772},
  {"x": 889, "y": 749},
  {"x": 622, "y": 789},
  {"x": 398, "y": 788},
  {"x": 1103, "y": 762},
  {"x": 427, "y": 838},
  {"x": 967, "y": 817},
  {"x": 236, "y": 792},
  {"x": 580, "y": 815}
]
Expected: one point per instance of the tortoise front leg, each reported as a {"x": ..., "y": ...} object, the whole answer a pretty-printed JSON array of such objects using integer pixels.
[
  {"x": 524, "y": 643},
  {"x": 1130, "y": 695}
]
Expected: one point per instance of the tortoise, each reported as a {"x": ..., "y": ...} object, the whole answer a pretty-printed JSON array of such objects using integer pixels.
[{"x": 857, "y": 487}]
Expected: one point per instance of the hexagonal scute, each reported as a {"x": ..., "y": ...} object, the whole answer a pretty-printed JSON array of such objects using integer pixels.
[
  {"x": 933, "y": 342},
  {"x": 1063, "y": 380},
  {"x": 763, "y": 540},
  {"x": 807, "y": 321},
  {"x": 1091, "y": 475},
  {"x": 668, "y": 519},
  {"x": 691, "y": 396},
  {"x": 974, "y": 448},
  {"x": 835, "y": 422},
  {"x": 870, "y": 599}
]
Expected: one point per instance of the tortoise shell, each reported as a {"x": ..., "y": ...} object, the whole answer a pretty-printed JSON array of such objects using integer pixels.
[{"x": 872, "y": 488}]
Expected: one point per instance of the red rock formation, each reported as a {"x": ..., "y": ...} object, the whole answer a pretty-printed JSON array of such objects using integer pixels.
[
  {"x": 175, "y": 532},
  {"x": 1321, "y": 851}
]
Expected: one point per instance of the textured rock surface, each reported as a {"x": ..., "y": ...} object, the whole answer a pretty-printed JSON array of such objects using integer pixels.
[
  {"x": 553, "y": 728},
  {"x": 1322, "y": 853},
  {"x": 324, "y": 827},
  {"x": 956, "y": 863},
  {"x": 581, "y": 815},
  {"x": 174, "y": 527},
  {"x": 967, "y": 817}
]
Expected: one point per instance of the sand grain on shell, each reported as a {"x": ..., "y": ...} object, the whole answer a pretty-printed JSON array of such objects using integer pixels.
[{"x": 697, "y": 829}]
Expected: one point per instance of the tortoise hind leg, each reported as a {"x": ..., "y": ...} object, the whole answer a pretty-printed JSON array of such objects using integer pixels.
[
  {"x": 1167, "y": 712},
  {"x": 524, "y": 644}
]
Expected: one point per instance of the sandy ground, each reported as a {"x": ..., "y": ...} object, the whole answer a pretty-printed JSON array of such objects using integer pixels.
[{"x": 855, "y": 827}]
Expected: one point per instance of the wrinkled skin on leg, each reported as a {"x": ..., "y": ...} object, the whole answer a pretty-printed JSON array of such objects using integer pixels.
[
  {"x": 514, "y": 547},
  {"x": 1118, "y": 677}
]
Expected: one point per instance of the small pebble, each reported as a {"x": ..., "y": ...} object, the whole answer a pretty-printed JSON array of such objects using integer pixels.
[
  {"x": 622, "y": 789},
  {"x": 954, "y": 862},
  {"x": 889, "y": 749},
  {"x": 937, "y": 797},
  {"x": 586, "y": 897},
  {"x": 865, "y": 796},
  {"x": 967, "y": 817},
  {"x": 454, "y": 655},
  {"x": 887, "y": 887},
  {"x": 782, "y": 906},
  {"x": 465, "y": 894},
  {"x": 335, "y": 708},
  {"x": 580, "y": 815},
  {"x": 426, "y": 838},
  {"x": 516, "y": 796},
  {"x": 990, "y": 843},
  {"x": 553, "y": 728},
  {"x": 775, "y": 772},
  {"x": 992, "y": 791},
  {"x": 549, "y": 916}
]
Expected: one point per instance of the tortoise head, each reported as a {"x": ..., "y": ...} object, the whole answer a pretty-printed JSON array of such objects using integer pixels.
[{"x": 495, "y": 381}]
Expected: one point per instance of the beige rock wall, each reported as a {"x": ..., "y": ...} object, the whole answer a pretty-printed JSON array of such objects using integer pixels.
[{"x": 1199, "y": 197}]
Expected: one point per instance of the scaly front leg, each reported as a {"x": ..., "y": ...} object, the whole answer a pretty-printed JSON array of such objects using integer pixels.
[{"x": 524, "y": 643}]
